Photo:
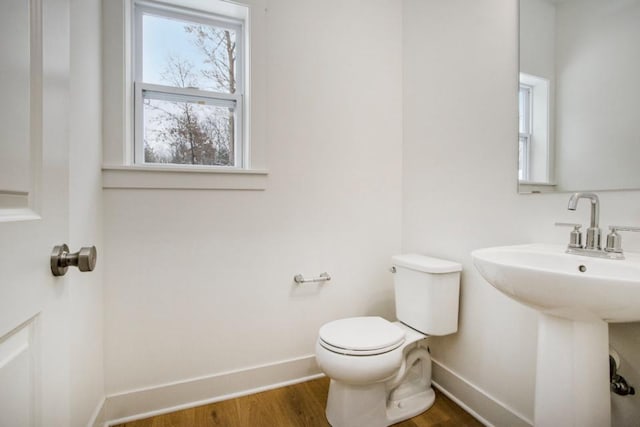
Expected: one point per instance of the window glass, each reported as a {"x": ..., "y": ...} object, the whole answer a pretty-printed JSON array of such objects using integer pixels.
[
  {"x": 523, "y": 158},
  {"x": 194, "y": 132},
  {"x": 524, "y": 140},
  {"x": 524, "y": 100},
  {"x": 182, "y": 54}
]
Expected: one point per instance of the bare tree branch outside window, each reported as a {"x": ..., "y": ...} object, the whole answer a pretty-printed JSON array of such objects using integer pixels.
[{"x": 194, "y": 131}]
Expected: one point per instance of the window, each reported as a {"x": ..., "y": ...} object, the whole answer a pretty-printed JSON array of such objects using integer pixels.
[
  {"x": 205, "y": 130},
  {"x": 535, "y": 139},
  {"x": 189, "y": 82},
  {"x": 524, "y": 140}
]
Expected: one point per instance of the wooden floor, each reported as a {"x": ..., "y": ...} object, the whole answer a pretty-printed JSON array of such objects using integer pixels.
[{"x": 299, "y": 405}]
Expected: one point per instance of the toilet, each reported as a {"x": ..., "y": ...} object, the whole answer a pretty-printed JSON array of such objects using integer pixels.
[{"x": 380, "y": 371}]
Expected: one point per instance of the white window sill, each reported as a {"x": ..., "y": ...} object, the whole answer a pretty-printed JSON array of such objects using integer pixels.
[
  {"x": 182, "y": 178},
  {"x": 535, "y": 187},
  {"x": 541, "y": 184}
]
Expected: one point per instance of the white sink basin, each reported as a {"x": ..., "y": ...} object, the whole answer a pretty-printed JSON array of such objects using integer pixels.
[
  {"x": 547, "y": 279},
  {"x": 575, "y": 295}
]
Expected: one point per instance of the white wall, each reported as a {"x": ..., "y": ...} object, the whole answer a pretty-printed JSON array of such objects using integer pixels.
[
  {"x": 200, "y": 282},
  {"x": 460, "y": 194},
  {"x": 85, "y": 210},
  {"x": 597, "y": 98}
]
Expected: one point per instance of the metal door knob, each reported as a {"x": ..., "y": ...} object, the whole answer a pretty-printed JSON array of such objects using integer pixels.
[{"x": 61, "y": 259}]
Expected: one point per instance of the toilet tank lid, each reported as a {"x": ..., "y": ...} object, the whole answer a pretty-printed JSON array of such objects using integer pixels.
[{"x": 426, "y": 264}]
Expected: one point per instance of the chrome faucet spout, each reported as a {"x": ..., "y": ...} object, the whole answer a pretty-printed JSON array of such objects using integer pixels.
[
  {"x": 593, "y": 232},
  {"x": 595, "y": 206}
]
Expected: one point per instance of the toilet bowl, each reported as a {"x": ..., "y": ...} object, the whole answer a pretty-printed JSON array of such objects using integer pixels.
[
  {"x": 384, "y": 376},
  {"x": 380, "y": 371}
]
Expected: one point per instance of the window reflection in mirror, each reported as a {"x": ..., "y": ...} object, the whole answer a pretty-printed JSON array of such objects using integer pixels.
[{"x": 535, "y": 146}]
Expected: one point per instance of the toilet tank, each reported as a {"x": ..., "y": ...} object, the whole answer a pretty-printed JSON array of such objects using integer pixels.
[{"x": 427, "y": 293}]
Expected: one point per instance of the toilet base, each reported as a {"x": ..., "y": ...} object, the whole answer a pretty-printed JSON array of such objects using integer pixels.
[
  {"x": 367, "y": 405},
  {"x": 410, "y": 407},
  {"x": 356, "y": 406},
  {"x": 412, "y": 397}
]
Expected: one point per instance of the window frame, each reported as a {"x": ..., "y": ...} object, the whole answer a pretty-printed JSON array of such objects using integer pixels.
[
  {"x": 524, "y": 138},
  {"x": 146, "y": 7}
]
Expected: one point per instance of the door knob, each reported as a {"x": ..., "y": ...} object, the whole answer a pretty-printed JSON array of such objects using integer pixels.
[{"x": 61, "y": 259}]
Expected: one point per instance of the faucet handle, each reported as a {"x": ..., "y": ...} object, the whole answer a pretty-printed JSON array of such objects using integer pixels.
[
  {"x": 575, "y": 237},
  {"x": 568, "y": 224},
  {"x": 614, "y": 240}
]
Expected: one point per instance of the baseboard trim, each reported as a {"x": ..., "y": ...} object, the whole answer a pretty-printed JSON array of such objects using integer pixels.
[
  {"x": 461, "y": 404},
  {"x": 147, "y": 402},
  {"x": 484, "y": 407},
  {"x": 97, "y": 418},
  {"x": 143, "y": 403}
]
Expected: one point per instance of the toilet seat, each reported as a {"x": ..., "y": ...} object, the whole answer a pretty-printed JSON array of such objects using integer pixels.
[{"x": 361, "y": 336}]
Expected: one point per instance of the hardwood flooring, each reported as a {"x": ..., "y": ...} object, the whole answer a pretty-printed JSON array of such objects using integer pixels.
[{"x": 299, "y": 405}]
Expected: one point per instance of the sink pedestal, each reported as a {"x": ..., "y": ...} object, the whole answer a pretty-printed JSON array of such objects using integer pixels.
[
  {"x": 574, "y": 295},
  {"x": 572, "y": 377}
]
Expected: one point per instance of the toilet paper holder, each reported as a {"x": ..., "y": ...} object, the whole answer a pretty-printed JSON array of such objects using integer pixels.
[{"x": 299, "y": 278}]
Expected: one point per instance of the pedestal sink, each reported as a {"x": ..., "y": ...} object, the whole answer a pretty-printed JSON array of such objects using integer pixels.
[{"x": 576, "y": 297}]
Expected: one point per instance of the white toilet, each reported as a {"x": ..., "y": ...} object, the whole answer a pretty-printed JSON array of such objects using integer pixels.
[{"x": 381, "y": 371}]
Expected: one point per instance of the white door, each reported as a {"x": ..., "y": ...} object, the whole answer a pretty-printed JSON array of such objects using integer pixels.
[{"x": 34, "y": 74}]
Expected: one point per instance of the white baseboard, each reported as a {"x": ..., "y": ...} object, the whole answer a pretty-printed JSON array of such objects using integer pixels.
[
  {"x": 97, "y": 418},
  {"x": 484, "y": 407},
  {"x": 137, "y": 404}
]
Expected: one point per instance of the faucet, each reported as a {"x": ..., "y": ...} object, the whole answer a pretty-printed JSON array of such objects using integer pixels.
[
  {"x": 593, "y": 232},
  {"x": 593, "y": 248}
]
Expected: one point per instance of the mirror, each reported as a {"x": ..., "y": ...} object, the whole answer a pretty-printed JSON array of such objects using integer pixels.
[{"x": 579, "y": 96}]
